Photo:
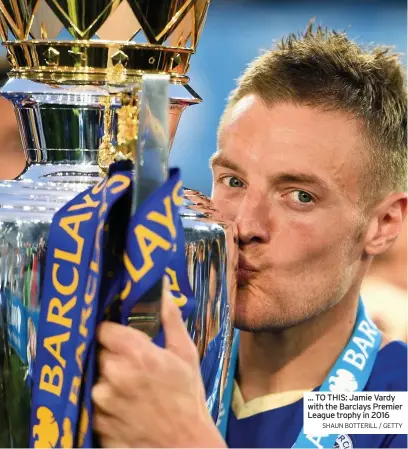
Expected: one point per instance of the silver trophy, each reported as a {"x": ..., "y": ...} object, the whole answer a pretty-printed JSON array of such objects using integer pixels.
[{"x": 77, "y": 80}]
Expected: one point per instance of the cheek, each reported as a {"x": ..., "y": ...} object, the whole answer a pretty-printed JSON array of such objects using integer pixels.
[
  {"x": 313, "y": 240},
  {"x": 329, "y": 243},
  {"x": 227, "y": 206},
  {"x": 292, "y": 250},
  {"x": 292, "y": 236}
]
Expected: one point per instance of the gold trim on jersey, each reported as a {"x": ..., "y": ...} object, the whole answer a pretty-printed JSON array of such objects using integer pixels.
[{"x": 244, "y": 409}]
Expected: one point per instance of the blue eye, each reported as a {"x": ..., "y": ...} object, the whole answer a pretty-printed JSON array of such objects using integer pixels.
[
  {"x": 304, "y": 197},
  {"x": 232, "y": 181}
]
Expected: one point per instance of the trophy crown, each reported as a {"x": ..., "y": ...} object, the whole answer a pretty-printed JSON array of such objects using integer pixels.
[{"x": 100, "y": 41}]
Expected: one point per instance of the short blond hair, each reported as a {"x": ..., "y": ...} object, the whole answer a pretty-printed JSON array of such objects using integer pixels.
[{"x": 323, "y": 68}]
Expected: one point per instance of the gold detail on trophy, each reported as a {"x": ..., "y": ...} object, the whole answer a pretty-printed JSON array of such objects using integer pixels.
[
  {"x": 106, "y": 152},
  {"x": 120, "y": 58},
  {"x": 183, "y": 32},
  {"x": 116, "y": 72},
  {"x": 3, "y": 29},
  {"x": 45, "y": 23},
  {"x": 19, "y": 16},
  {"x": 175, "y": 21},
  {"x": 128, "y": 124},
  {"x": 83, "y": 18},
  {"x": 43, "y": 31},
  {"x": 99, "y": 28},
  {"x": 51, "y": 56},
  {"x": 11, "y": 59},
  {"x": 128, "y": 127},
  {"x": 200, "y": 14},
  {"x": 175, "y": 61},
  {"x": 121, "y": 25},
  {"x": 79, "y": 56}
]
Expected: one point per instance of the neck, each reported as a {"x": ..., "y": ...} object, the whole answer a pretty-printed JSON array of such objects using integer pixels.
[{"x": 297, "y": 358}]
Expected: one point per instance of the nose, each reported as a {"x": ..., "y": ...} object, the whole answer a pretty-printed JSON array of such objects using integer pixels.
[{"x": 252, "y": 219}]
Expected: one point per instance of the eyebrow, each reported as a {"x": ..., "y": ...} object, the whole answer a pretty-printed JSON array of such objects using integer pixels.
[
  {"x": 221, "y": 161},
  {"x": 301, "y": 178},
  {"x": 278, "y": 178}
]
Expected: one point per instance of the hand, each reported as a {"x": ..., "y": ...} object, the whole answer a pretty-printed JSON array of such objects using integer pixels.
[{"x": 149, "y": 396}]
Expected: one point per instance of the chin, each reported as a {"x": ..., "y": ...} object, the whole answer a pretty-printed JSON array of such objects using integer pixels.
[
  {"x": 253, "y": 324},
  {"x": 256, "y": 312}
]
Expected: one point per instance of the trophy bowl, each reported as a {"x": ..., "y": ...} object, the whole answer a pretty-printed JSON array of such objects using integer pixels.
[{"x": 75, "y": 65}]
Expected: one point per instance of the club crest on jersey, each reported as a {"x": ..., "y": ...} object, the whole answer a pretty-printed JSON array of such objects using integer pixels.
[
  {"x": 343, "y": 442},
  {"x": 344, "y": 380}
]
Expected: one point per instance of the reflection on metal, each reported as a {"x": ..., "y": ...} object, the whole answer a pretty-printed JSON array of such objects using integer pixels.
[
  {"x": 75, "y": 86},
  {"x": 70, "y": 124},
  {"x": 26, "y": 210}
]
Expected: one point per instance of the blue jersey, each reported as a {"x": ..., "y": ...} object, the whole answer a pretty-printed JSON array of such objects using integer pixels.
[{"x": 279, "y": 427}]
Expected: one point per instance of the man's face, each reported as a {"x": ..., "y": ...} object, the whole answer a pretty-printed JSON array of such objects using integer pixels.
[{"x": 289, "y": 176}]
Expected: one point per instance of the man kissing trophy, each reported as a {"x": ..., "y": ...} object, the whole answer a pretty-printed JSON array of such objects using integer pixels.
[{"x": 97, "y": 112}]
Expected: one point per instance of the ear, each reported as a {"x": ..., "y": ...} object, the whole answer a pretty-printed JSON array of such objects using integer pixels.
[{"x": 386, "y": 223}]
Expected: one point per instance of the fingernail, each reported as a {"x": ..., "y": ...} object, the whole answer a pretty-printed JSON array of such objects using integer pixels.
[{"x": 166, "y": 285}]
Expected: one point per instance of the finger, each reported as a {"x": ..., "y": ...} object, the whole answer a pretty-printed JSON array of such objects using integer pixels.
[
  {"x": 107, "y": 401},
  {"x": 121, "y": 339},
  {"x": 105, "y": 425},
  {"x": 119, "y": 371},
  {"x": 101, "y": 423},
  {"x": 177, "y": 338},
  {"x": 114, "y": 431},
  {"x": 104, "y": 398},
  {"x": 130, "y": 360},
  {"x": 107, "y": 442},
  {"x": 129, "y": 375}
]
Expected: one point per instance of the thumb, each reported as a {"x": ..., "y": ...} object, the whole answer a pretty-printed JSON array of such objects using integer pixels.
[{"x": 177, "y": 338}]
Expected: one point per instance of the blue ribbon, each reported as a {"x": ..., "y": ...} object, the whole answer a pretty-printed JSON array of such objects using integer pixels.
[
  {"x": 100, "y": 263},
  {"x": 350, "y": 373}
]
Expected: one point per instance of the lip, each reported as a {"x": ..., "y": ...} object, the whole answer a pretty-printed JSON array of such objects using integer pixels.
[
  {"x": 245, "y": 271},
  {"x": 245, "y": 265}
]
